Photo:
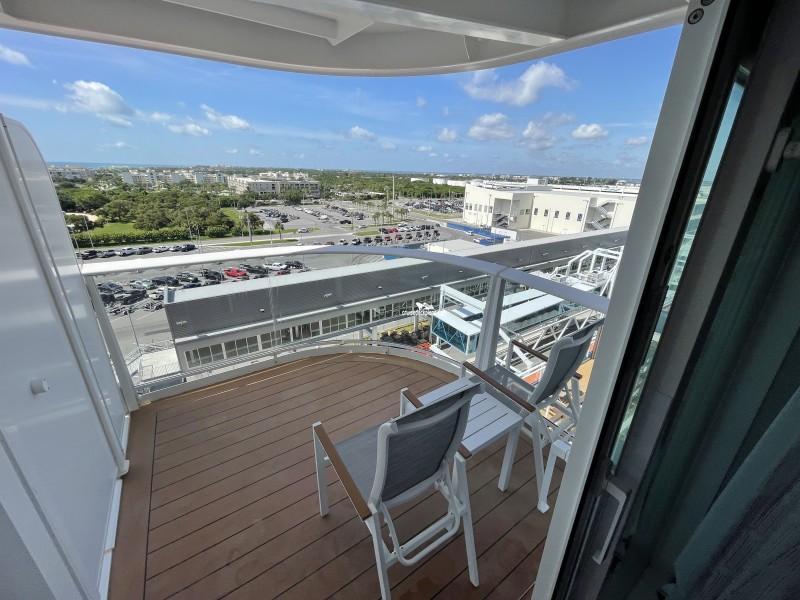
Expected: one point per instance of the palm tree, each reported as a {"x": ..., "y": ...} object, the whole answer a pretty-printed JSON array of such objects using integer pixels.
[
  {"x": 376, "y": 217},
  {"x": 279, "y": 228}
]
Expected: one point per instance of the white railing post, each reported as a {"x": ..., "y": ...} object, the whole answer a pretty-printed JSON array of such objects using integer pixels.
[{"x": 490, "y": 327}]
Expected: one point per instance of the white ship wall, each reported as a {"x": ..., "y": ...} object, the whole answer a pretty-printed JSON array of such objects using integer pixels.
[{"x": 61, "y": 449}]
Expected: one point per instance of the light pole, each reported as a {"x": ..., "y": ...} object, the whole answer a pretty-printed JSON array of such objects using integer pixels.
[{"x": 86, "y": 223}]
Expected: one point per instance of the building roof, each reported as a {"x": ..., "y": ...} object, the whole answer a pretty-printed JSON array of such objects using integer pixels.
[{"x": 348, "y": 37}]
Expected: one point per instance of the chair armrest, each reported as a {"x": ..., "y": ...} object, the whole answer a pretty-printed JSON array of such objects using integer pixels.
[
  {"x": 529, "y": 350},
  {"x": 417, "y": 404},
  {"x": 344, "y": 475},
  {"x": 500, "y": 387}
]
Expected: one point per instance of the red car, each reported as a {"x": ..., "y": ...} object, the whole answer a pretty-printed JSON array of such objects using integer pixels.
[
  {"x": 235, "y": 272},
  {"x": 283, "y": 272}
]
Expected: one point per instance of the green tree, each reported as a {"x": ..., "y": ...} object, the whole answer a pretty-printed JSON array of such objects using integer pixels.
[
  {"x": 279, "y": 228},
  {"x": 118, "y": 209}
]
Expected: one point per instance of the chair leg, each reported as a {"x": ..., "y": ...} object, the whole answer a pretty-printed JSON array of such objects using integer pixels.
[
  {"x": 538, "y": 461},
  {"x": 462, "y": 493},
  {"x": 508, "y": 459},
  {"x": 322, "y": 485},
  {"x": 374, "y": 526},
  {"x": 557, "y": 449}
]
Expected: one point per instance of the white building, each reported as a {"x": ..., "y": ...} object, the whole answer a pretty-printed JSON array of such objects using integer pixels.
[
  {"x": 543, "y": 208},
  {"x": 277, "y": 186}
]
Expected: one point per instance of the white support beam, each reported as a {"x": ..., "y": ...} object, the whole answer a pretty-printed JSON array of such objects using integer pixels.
[{"x": 490, "y": 326}]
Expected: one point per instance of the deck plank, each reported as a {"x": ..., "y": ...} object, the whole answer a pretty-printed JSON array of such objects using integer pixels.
[{"x": 221, "y": 500}]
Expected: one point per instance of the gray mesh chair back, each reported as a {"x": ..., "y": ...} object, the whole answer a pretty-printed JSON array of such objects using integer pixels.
[
  {"x": 565, "y": 357},
  {"x": 415, "y": 447}
]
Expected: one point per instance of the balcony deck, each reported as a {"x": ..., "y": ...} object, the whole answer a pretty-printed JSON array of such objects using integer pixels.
[{"x": 220, "y": 500}]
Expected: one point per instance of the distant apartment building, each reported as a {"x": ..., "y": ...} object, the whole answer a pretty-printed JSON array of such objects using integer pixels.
[
  {"x": 71, "y": 172},
  {"x": 541, "y": 208},
  {"x": 151, "y": 178},
  {"x": 140, "y": 178},
  {"x": 267, "y": 184},
  {"x": 450, "y": 182}
]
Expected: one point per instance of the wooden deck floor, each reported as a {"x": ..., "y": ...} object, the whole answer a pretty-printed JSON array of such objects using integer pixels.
[{"x": 221, "y": 498}]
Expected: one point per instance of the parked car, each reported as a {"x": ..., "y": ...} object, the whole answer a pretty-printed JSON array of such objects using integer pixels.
[
  {"x": 235, "y": 272},
  {"x": 368, "y": 240},
  {"x": 156, "y": 295},
  {"x": 160, "y": 249},
  {"x": 191, "y": 284},
  {"x": 144, "y": 250},
  {"x": 107, "y": 297},
  {"x": 110, "y": 286},
  {"x": 211, "y": 274},
  {"x": 355, "y": 242},
  {"x": 176, "y": 248},
  {"x": 131, "y": 297},
  {"x": 294, "y": 264},
  {"x": 330, "y": 243},
  {"x": 165, "y": 280},
  {"x": 343, "y": 242},
  {"x": 303, "y": 230},
  {"x": 126, "y": 251},
  {"x": 283, "y": 272},
  {"x": 187, "y": 277},
  {"x": 257, "y": 269},
  {"x": 277, "y": 266},
  {"x": 106, "y": 253},
  {"x": 188, "y": 247}
]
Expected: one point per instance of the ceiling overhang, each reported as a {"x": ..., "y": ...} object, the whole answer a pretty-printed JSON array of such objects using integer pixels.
[{"x": 347, "y": 37}]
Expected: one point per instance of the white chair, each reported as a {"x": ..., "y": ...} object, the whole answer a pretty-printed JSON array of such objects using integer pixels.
[
  {"x": 556, "y": 398},
  {"x": 490, "y": 419},
  {"x": 392, "y": 463}
]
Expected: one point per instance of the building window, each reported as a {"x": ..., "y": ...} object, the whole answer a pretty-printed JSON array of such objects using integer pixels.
[
  {"x": 580, "y": 217},
  {"x": 556, "y": 215},
  {"x": 535, "y": 211},
  {"x": 334, "y": 324},
  {"x": 567, "y": 216},
  {"x": 275, "y": 338},
  {"x": 546, "y": 212}
]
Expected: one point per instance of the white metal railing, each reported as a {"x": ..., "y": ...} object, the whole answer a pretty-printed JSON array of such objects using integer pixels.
[{"x": 279, "y": 354}]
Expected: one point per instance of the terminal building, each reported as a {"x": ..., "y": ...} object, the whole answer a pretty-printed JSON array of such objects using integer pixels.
[{"x": 546, "y": 209}]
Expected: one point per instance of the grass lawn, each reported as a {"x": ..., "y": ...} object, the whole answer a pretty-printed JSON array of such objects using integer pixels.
[
  {"x": 367, "y": 232},
  {"x": 231, "y": 213},
  {"x": 116, "y": 227}
]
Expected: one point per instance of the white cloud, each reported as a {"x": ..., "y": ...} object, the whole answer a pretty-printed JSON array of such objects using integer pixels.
[
  {"x": 422, "y": 149},
  {"x": 637, "y": 141},
  {"x": 359, "y": 133},
  {"x": 256, "y": 152},
  {"x": 491, "y": 127},
  {"x": 421, "y": 101},
  {"x": 232, "y": 151},
  {"x": 158, "y": 117},
  {"x": 122, "y": 145},
  {"x": 589, "y": 132},
  {"x": 301, "y": 155},
  {"x": 388, "y": 146},
  {"x": 447, "y": 136},
  {"x": 433, "y": 155},
  {"x": 189, "y": 129},
  {"x": 13, "y": 57},
  {"x": 100, "y": 100},
  {"x": 227, "y": 121},
  {"x": 485, "y": 85},
  {"x": 540, "y": 135}
]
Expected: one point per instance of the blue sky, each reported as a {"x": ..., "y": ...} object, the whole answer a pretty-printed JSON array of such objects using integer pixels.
[{"x": 589, "y": 112}]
